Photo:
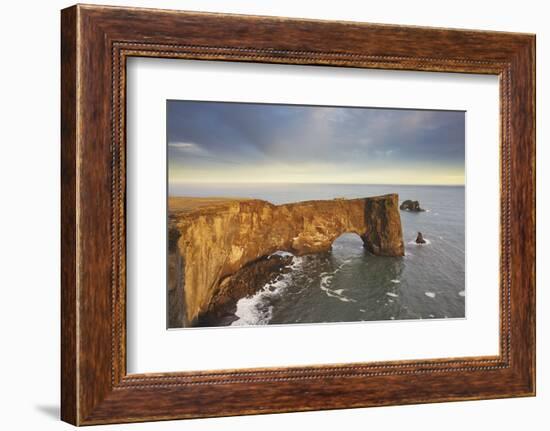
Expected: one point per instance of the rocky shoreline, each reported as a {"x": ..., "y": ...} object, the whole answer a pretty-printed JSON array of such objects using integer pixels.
[
  {"x": 219, "y": 246},
  {"x": 245, "y": 282}
]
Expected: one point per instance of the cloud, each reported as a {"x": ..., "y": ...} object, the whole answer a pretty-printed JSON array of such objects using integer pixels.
[
  {"x": 210, "y": 134},
  {"x": 187, "y": 147},
  {"x": 182, "y": 145}
]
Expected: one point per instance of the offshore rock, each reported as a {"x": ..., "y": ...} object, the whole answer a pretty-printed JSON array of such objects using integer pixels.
[
  {"x": 409, "y": 205},
  {"x": 420, "y": 239}
]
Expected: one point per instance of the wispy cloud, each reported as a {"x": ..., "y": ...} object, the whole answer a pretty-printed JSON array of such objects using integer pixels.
[{"x": 188, "y": 147}]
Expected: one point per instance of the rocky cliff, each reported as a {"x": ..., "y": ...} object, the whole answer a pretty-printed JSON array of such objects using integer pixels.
[{"x": 218, "y": 238}]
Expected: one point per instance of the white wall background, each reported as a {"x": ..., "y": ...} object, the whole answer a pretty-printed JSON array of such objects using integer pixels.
[{"x": 29, "y": 214}]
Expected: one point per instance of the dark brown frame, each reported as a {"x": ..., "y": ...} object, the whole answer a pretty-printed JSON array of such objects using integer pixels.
[{"x": 95, "y": 42}]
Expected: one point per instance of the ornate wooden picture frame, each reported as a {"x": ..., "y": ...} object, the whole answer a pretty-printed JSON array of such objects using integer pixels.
[{"x": 96, "y": 41}]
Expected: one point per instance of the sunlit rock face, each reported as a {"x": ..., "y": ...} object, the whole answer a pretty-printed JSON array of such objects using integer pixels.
[{"x": 217, "y": 239}]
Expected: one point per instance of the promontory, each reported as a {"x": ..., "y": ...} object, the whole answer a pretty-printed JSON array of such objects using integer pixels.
[{"x": 211, "y": 239}]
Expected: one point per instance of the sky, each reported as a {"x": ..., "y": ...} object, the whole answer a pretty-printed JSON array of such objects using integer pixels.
[{"x": 213, "y": 142}]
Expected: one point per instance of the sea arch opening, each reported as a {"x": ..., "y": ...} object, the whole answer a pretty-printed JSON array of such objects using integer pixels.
[{"x": 350, "y": 239}]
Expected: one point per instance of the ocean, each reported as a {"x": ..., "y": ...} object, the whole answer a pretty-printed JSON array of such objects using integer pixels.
[{"x": 347, "y": 283}]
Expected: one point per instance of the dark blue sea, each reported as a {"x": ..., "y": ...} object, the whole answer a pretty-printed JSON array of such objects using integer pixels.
[{"x": 348, "y": 284}]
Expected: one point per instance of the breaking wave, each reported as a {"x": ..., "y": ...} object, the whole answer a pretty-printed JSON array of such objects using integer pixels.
[
  {"x": 413, "y": 242},
  {"x": 257, "y": 309},
  {"x": 326, "y": 281}
]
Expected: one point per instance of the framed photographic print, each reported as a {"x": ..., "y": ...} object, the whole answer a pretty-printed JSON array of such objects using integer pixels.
[{"x": 325, "y": 214}]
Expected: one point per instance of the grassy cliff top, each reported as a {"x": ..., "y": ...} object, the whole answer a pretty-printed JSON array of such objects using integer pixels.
[{"x": 189, "y": 204}]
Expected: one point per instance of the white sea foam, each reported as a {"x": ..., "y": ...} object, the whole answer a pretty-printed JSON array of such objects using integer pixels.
[
  {"x": 415, "y": 243},
  {"x": 324, "y": 285},
  {"x": 281, "y": 253},
  {"x": 250, "y": 312},
  {"x": 430, "y": 294},
  {"x": 255, "y": 309},
  {"x": 296, "y": 263}
]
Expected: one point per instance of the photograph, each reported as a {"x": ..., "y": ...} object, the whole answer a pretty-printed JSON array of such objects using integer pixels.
[
  {"x": 285, "y": 214},
  {"x": 306, "y": 214}
]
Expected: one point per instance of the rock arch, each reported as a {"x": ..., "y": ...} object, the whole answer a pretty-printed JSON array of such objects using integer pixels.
[
  {"x": 350, "y": 236},
  {"x": 217, "y": 241}
]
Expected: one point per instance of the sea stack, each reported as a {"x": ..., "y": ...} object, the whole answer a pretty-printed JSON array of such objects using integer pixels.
[
  {"x": 409, "y": 205},
  {"x": 420, "y": 239}
]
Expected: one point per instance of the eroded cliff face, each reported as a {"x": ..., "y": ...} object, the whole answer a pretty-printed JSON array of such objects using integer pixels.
[{"x": 217, "y": 240}]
